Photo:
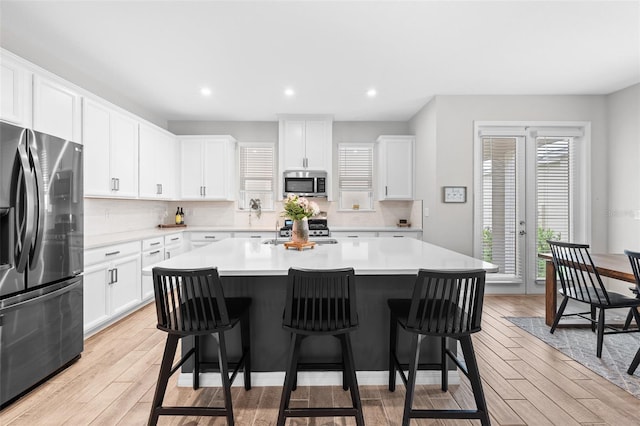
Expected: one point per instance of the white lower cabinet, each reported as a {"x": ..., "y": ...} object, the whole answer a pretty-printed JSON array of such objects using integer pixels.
[
  {"x": 152, "y": 253},
  {"x": 174, "y": 245},
  {"x": 257, "y": 235},
  {"x": 111, "y": 283}
]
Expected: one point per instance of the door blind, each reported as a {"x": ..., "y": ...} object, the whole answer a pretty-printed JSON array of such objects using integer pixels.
[
  {"x": 499, "y": 203},
  {"x": 554, "y": 188},
  {"x": 257, "y": 176}
]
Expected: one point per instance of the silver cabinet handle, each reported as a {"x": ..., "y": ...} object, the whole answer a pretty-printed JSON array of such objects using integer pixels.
[
  {"x": 116, "y": 274},
  {"x": 210, "y": 236},
  {"x": 175, "y": 239},
  {"x": 159, "y": 188},
  {"x": 255, "y": 236},
  {"x": 204, "y": 191},
  {"x": 113, "y": 184},
  {"x": 113, "y": 253},
  {"x": 398, "y": 236},
  {"x": 154, "y": 252},
  {"x": 386, "y": 192},
  {"x": 168, "y": 254},
  {"x": 155, "y": 244}
]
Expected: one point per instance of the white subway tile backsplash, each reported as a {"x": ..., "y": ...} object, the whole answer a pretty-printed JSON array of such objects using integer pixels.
[{"x": 104, "y": 216}]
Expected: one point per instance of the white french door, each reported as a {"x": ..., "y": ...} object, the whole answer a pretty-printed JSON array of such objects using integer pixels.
[{"x": 528, "y": 189}]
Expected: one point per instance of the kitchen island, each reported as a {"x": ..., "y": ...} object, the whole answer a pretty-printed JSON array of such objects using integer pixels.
[{"x": 384, "y": 267}]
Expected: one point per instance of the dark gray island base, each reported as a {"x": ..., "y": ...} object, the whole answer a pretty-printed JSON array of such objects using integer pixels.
[{"x": 270, "y": 342}]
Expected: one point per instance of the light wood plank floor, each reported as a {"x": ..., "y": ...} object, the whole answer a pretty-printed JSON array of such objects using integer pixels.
[{"x": 526, "y": 383}]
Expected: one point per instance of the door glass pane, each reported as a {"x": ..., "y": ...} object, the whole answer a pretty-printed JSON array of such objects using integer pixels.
[
  {"x": 500, "y": 204},
  {"x": 554, "y": 165}
]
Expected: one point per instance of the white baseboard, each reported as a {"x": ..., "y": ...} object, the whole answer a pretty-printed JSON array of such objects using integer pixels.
[{"x": 316, "y": 378}]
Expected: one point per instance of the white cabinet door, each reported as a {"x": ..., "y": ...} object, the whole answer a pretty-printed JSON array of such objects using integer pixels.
[
  {"x": 15, "y": 86},
  {"x": 123, "y": 157},
  {"x": 157, "y": 164},
  {"x": 216, "y": 170},
  {"x": 95, "y": 134},
  {"x": 124, "y": 284},
  {"x": 95, "y": 295},
  {"x": 395, "y": 167},
  {"x": 191, "y": 169},
  {"x": 207, "y": 167},
  {"x": 292, "y": 150},
  {"x": 56, "y": 109},
  {"x": 111, "y": 151},
  {"x": 149, "y": 258},
  {"x": 318, "y": 144},
  {"x": 167, "y": 166}
]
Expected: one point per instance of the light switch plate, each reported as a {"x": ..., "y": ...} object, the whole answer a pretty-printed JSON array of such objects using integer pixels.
[{"x": 426, "y": 212}]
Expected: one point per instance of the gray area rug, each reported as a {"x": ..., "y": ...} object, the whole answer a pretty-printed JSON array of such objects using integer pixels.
[{"x": 580, "y": 344}]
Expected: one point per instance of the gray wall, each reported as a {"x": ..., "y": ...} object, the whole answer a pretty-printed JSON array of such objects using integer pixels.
[
  {"x": 444, "y": 130},
  {"x": 623, "y": 116}
]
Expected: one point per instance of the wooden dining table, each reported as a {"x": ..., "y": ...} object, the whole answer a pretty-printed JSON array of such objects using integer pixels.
[{"x": 615, "y": 266}]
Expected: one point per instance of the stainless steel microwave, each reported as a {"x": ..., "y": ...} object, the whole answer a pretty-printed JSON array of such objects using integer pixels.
[{"x": 305, "y": 183}]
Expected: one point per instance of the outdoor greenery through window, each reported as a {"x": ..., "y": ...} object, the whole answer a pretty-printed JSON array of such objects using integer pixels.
[
  {"x": 554, "y": 187},
  {"x": 257, "y": 174},
  {"x": 355, "y": 176}
]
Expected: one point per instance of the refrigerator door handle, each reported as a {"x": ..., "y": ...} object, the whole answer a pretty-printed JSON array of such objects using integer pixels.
[
  {"x": 25, "y": 175},
  {"x": 39, "y": 184}
]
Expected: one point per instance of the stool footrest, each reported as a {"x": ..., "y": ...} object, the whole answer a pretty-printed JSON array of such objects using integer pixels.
[
  {"x": 191, "y": 411},
  {"x": 320, "y": 412},
  {"x": 446, "y": 414}
]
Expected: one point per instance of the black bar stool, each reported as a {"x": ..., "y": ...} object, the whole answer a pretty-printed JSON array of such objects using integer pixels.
[
  {"x": 634, "y": 258},
  {"x": 320, "y": 303},
  {"x": 444, "y": 304},
  {"x": 191, "y": 303}
]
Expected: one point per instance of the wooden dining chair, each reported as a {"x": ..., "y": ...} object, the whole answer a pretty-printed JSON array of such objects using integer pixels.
[
  {"x": 581, "y": 281},
  {"x": 634, "y": 259}
]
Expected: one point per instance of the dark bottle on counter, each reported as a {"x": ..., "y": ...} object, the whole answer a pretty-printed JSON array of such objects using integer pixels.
[
  {"x": 181, "y": 216},
  {"x": 178, "y": 216}
]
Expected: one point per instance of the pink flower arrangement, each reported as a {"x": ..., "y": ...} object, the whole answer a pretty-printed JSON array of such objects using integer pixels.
[{"x": 298, "y": 208}]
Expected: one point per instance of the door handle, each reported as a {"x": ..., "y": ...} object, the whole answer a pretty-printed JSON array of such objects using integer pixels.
[
  {"x": 39, "y": 184},
  {"x": 25, "y": 178},
  {"x": 522, "y": 232}
]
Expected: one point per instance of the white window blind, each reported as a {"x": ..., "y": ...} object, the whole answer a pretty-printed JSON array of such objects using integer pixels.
[
  {"x": 499, "y": 203},
  {"x": 555, "y": 169},
  {"x": 355, "y": 176},
  {"x": 257, "y": 174}
]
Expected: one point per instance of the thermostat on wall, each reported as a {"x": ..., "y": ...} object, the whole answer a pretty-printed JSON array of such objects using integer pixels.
[{"x": 454, "y": 194}]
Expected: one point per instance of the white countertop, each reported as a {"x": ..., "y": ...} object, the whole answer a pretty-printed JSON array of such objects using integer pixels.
[
  {"x": 93, "y": 241},
  {"x": 368, "y": 256}
]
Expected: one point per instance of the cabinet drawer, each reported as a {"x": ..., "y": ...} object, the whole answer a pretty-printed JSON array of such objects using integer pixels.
[
  {"x": 209, "y": 236},
  {"x": 173, "y": 239},
  {"x": 108, "y": 253},
  {"x": 152, "y": 243},
  {"x": 415, "y": 235},
  {"x": 243, "y": 234},
  {"x": 355, "y": 234},
  {"x": 153, "y": 256}
]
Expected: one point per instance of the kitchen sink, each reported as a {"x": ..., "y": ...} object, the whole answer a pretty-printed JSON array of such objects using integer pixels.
[{"x": 318, "y": 241}]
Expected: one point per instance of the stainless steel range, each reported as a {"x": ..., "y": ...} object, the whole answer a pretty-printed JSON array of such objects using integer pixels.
[{"x": 317, "y": 228}]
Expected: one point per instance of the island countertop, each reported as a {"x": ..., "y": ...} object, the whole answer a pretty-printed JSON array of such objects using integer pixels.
[{"x": 368, "y": 256}]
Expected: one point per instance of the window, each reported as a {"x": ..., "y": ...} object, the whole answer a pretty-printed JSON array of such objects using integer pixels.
[
  {"x": 355, "y": 176},
  {"x": 257, "y": 174}
]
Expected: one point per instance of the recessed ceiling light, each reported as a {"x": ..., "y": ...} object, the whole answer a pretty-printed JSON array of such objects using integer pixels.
[
  {"x": 289, "y": 92},
  {"x": 205, "y": 91},
  {"x": 372, "y": 93}
]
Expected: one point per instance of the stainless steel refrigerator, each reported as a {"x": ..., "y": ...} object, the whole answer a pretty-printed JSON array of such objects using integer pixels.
[{"x": 41, "y": 257}]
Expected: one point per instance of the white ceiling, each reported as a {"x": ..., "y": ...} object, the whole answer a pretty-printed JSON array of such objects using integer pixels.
[{"x": 158, "y": 54}]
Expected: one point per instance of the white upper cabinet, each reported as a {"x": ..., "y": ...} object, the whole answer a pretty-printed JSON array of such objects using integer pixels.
[
  {"x": 56, "y": 109},
  {"x": 111, "y": 152},
  {"x": 158, "y": 165},
  {"x": 208, "y": 166},
  {"x": 15, "y": 86},
  {"x": 396, "y": 176},
  {"x": 305, "y": 144}
]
